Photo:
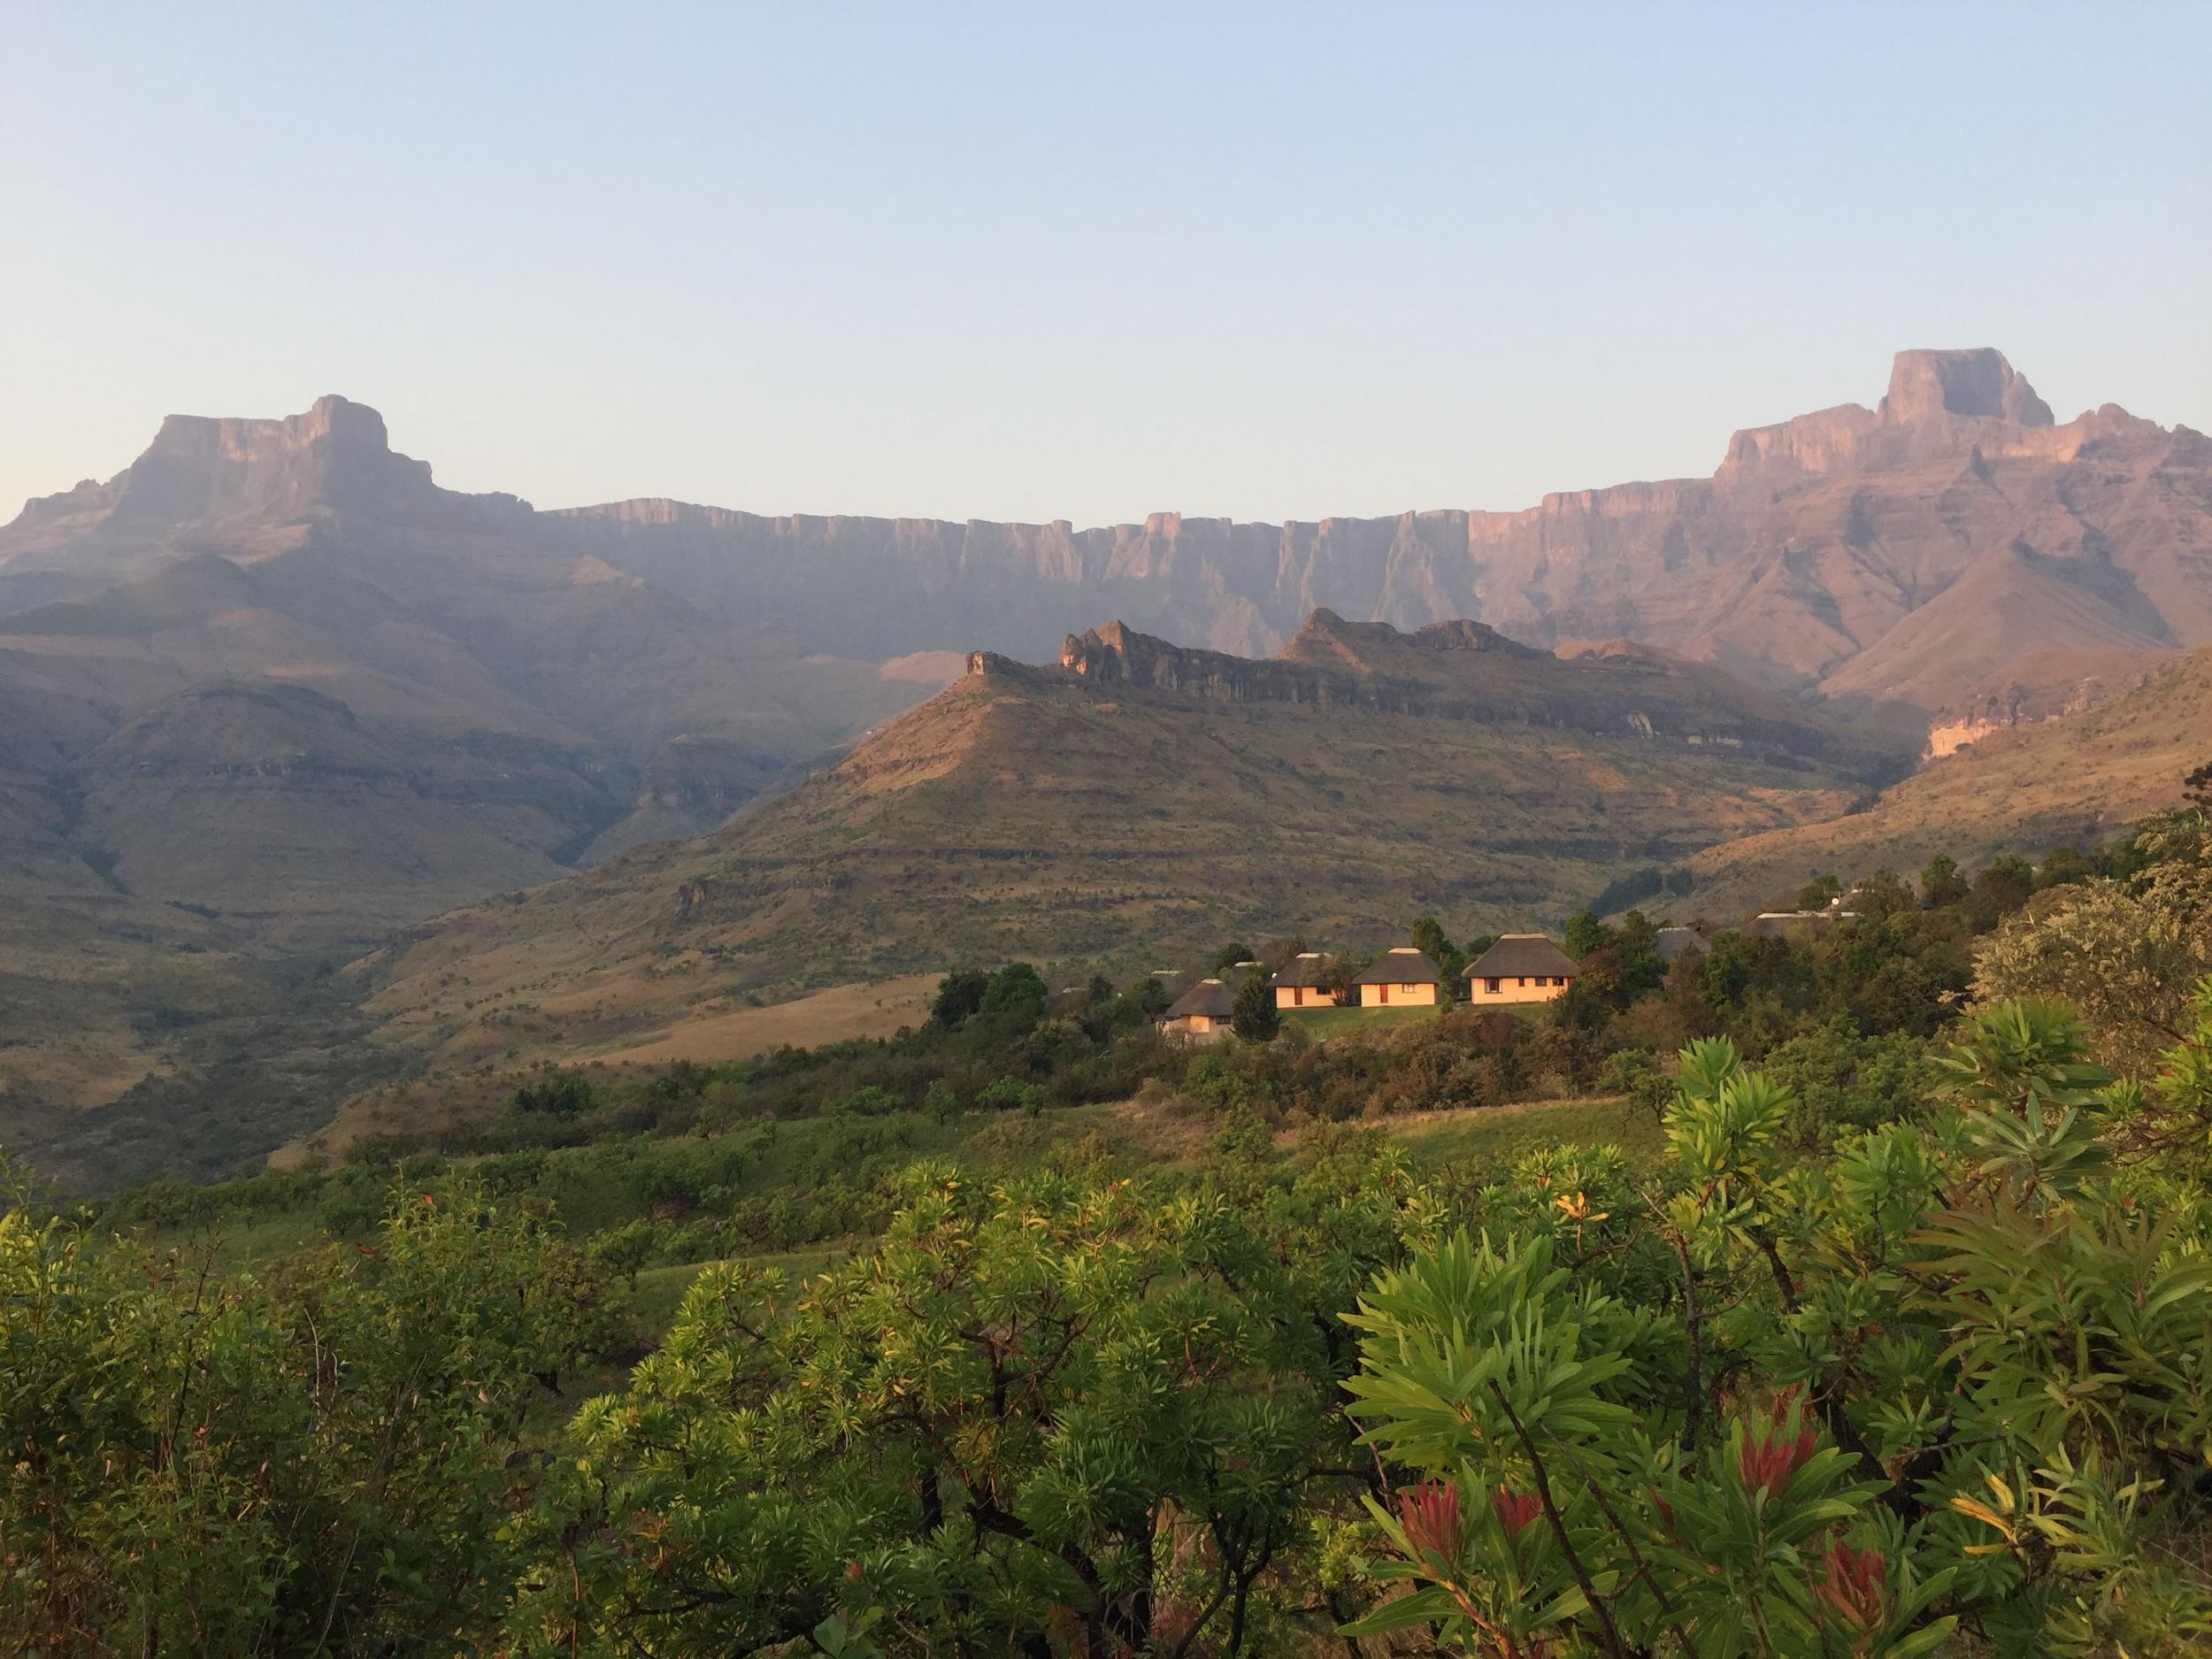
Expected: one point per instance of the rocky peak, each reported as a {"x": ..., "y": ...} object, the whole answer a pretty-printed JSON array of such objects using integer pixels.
[
  {"x": 336, "y": 454},
  {"x": 1976, "y": 384},
  {"x": 1377, "y": 647},
  {"x": 1932, "y": 394},
  {"x": 209, "y": 471},
  {"x": 1116, "y": 652}
]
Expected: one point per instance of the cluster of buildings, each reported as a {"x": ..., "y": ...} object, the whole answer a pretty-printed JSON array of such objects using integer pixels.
[{"x": 1519, "y": 968}]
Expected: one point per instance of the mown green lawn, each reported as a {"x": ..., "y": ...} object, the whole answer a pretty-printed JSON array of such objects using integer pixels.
[{"x": 1343, "y": 1022}]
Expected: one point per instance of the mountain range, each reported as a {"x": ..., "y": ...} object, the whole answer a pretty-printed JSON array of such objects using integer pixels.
[
  {"x": 270, "y": 693},
  {"x": 1898, "y": 552}
]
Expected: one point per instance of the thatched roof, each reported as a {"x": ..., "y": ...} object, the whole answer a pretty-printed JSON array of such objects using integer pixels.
[
  {"x": 1305, "y": 968},
  {"x": 1523, "y": 956},
  {"x": 1208, "y": 997},
  {"x": 1401, "y": 965},
  {"x": 1671, "y": 942}
]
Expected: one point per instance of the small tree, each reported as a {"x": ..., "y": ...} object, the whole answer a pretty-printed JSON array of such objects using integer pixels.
[
  {"x": 1230, "y": 955},
  {"x": 1431, "y": 939},
  {"x": 1941, "y": 882},
  {"x": 1586, "y": 934},
  {"x": 1015, "y": 988},
  {"x": 1254, "y": 1016},
  {"x": 2197, "y": 788},
  {"x": 1336, "y": 976},
  {"x": 1814, "y": 894},
  {"x": 1147, "y": 996},
  {"x": 959, "y": 993}
]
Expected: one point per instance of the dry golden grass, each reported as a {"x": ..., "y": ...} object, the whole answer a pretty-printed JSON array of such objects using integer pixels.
[
  {"x": 2082, "y": 779},
  {"x": 833, "y": 1016},
  {"x": 447, "y": 1100},
  {"x": 1079, "y": 827}
]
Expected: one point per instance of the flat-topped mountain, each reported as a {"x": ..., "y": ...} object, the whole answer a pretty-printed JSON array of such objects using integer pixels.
[
  {"x": 1138, "y": 802},
  {"x": 269, "y": 693}
]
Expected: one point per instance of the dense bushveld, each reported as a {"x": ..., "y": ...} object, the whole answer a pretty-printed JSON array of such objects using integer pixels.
[{"x": 1893, "y": 1342}]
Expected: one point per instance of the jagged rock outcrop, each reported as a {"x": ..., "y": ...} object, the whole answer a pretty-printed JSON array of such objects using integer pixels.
[{"x": 1463, "y": 671}]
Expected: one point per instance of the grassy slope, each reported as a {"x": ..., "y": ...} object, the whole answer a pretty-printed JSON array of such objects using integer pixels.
[
  {"x": 718, "y": 1033},
  {"x": 2083, "y": 778},
  {"x": 1078, "y": 825},
  {"x": 1137, "y": 1134}
]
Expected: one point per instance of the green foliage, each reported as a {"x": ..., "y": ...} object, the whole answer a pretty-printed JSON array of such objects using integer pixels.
[
  {"x": 1058, "y": 1414},
  {"x": 1637, "y": 1073},
  {"x": 2125, "y": 950},
  {"x": 1252, "y": 1014},
  {"x": 1585, "y": 934},
  {"x": 1816, "y": 894},
  {"x": 317, "y": 1463},
  {"x": 1016, "y": 988},
  {"x": 1976, "y": 1375},
  {"x": 1010, "y": 1093},
  {"x": 1899, "y": 1346},
  {"x": 959, "y": 995},
  {"x": 564, "y": 1092},
  {"x": 1942, "y": 882}
]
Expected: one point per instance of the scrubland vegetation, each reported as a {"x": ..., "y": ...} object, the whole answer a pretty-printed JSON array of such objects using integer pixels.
[{"x": 1841, "y": 1294}]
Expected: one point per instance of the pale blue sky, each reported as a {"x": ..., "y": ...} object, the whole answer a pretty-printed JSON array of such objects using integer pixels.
[{"x": 1040, "y": 261}]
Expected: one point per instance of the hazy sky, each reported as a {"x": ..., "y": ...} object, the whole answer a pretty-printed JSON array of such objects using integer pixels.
[{"x": 1042, "y": 262}]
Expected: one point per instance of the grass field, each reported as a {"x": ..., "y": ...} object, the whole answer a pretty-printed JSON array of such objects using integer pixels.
[
  {"x": 713, "y": 1032},
  {"x": 1346, "y": 1022}
]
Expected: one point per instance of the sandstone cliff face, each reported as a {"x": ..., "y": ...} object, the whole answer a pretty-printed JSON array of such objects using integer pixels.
[
  {"x": 1812, "y": 542},
  {"x": 1797, "y": 561},
  {"x": 2041, "y": 686}
]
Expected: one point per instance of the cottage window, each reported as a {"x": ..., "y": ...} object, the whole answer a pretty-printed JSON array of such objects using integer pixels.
[{"x": 1490, "y": 986}]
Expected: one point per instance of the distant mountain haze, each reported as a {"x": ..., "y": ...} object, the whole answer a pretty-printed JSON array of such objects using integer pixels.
[
  {"x": 271, "y": 693},
  {"x": 1898, "y": 552}
]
